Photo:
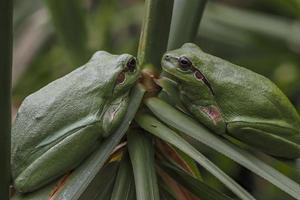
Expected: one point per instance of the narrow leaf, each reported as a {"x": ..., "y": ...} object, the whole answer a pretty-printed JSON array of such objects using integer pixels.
[
  {"x": 167, "y": 196},
  {"x": 174, "y": 188},
  {"x": 102, "y": 185},
  {"x": 165, "y": 192},
  {"x": 158, "y": 129},
  {"x": 155, "y": 31},
  {"x": 187, "y": 125},
  {"x": 197, "y": 187},
  {"x": 124, "y": 188},
  {"x": 142, "y": 158},
  {"x": 175, "y": 155}
]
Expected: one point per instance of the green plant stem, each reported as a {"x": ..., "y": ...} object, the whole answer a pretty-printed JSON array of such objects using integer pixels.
[
  {"x": 185, "y": 22},
  {"x": 5, "y": 94},
  {"x": 155, "y": 31},
  {"x": 124, "y": 188},
  {"x": 141, "y": 153}
]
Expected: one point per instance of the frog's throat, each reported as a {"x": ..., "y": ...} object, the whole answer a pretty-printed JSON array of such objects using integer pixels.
[{"x": 113, "y": 114}]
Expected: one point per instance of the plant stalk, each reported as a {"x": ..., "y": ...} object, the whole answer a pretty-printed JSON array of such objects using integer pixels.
[
  {"x": 6, "y": 7},
  {"x": 155, "y": 32}
]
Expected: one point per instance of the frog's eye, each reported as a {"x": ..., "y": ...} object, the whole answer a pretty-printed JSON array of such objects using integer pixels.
[
  {"x": 121, "y": 78},
  {"x": 131, "y": 65},
  {"x": 184, "y": 63}
]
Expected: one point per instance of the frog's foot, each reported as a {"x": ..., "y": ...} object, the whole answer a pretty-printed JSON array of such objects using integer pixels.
[
  {"x": 276, "y": 141},
  {"x": 210, "y": 116},
  {"x": 59, "y": 159}
]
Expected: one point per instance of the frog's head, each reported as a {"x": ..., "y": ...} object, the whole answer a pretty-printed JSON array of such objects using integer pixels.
[
  {"x": 120, "y": 72},
  {"x": 188, "y": 65}
]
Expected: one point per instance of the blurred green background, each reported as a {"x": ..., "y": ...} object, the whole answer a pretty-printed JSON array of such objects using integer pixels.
[{"x": 262, "y": 35}]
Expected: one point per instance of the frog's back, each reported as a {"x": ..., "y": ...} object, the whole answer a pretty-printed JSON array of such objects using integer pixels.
[
  {"x": 255, "y": 95},
  {"x": 55, "y": 105}
]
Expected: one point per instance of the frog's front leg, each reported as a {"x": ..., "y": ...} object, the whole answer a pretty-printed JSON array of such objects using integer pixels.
[
  {"x": 58, "y": 159},
  {"x": 114, "y": 114},
  {"x": 270, "y": 138},
  {"x": 210, "y": 116}
]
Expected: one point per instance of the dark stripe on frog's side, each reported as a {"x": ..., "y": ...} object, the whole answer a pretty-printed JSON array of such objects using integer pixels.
[{"x": 204, "y": 79}]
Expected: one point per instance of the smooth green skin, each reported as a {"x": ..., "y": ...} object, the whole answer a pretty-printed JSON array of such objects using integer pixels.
[
  {"x": 242, "y": 104},
  {"x": 62, "y": 123}
]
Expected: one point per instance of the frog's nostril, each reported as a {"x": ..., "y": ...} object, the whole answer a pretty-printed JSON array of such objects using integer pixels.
[{"x": 167, "y": 57}]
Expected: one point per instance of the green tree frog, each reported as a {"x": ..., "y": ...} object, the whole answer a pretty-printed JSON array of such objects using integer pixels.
[
  {"x": 62, "y": 123},
  {"x": 233, "y": 100}
]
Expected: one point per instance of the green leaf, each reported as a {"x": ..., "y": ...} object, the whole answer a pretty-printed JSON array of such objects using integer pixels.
[
  {"x": 191, "y": 163},
  {"x": 155, "y": 31},
  {"x": 102, "y": 185},
  {"x": 124, "y": 188},
  {"x": 197, "y": 187},
  {"x": 160, "y": 130},
  {"x": 187, "y": 125},
  {"x": 86, "y": 172},
  {"x": 165, "y": 193},
  {"x": 185, "y": 11},
  {"x": 142, "y": 158},
  {"x": 174, "y": 155}
]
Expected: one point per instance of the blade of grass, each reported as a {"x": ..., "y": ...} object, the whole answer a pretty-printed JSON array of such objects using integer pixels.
[
  {"x": 88, "y": 170},
  {"x": 160, "y": 130},
  {"x": 190, "y": 127},
  {"x": 155, "y": 31},
  {"x": 124, "y": 188},
  {"x": 6, "y": 7},
  {"x": 197, "y": 187},
  {"x": 185, "y": 11},
  {"x": 142, "y": 159}
]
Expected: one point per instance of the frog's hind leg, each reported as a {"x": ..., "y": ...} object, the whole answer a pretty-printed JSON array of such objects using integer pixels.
[
  {"x": 276, "y": 141},
  {"x": 59, "y": 159}
]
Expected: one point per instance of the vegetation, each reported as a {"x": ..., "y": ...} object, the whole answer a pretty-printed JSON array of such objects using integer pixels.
[{"x": 158, "y": 152}]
